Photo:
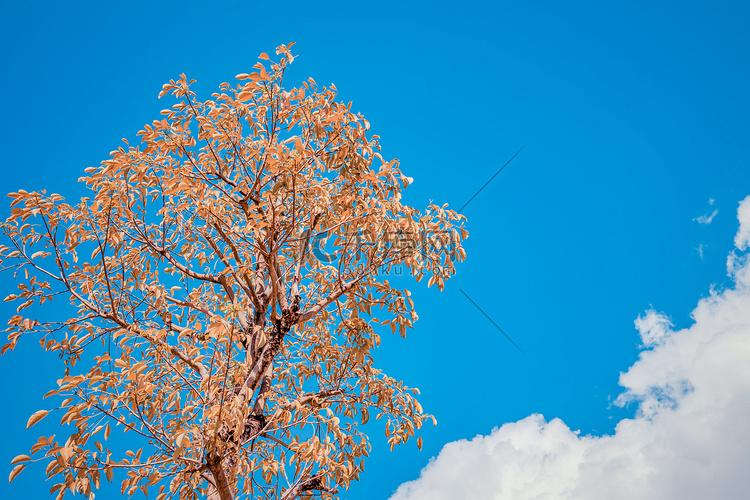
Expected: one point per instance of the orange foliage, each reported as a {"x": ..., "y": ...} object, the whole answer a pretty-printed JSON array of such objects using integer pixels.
[{"x": 212, "y": 328}]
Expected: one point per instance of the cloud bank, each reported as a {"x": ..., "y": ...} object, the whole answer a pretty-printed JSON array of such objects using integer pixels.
[{"x": 690, "y": 438}]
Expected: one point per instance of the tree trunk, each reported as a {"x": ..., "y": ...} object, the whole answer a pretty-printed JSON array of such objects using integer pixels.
[{"x": 223, "y": 490}]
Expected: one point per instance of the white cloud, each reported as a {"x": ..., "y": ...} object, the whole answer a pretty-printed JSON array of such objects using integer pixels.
[
  {"x": 706, "y": 219},
  {"x": 742, "y": 238},
  {"x": 700, "y": 248},
  {"x": 690, "y": 438},
  {"x": 653, "y": 327}
]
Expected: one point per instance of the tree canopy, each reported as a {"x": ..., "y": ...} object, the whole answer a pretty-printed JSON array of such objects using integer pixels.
[{"x": 226, "y": 280}]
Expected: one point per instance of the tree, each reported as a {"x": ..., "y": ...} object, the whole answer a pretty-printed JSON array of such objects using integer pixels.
[{"x": 224, "y": 316}]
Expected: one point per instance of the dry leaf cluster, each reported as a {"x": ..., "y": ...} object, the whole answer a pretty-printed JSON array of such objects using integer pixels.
[{"x": 201, "y": 324}]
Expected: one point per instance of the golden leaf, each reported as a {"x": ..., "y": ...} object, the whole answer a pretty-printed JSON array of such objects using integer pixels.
[
  {"x": 20, "y": 458},
  {"x": 36, "y": 417},
  {"x": 16, "y": 470}
]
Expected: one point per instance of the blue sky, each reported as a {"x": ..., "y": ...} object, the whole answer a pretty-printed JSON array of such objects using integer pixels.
[{"x": 633, "y": 116}]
